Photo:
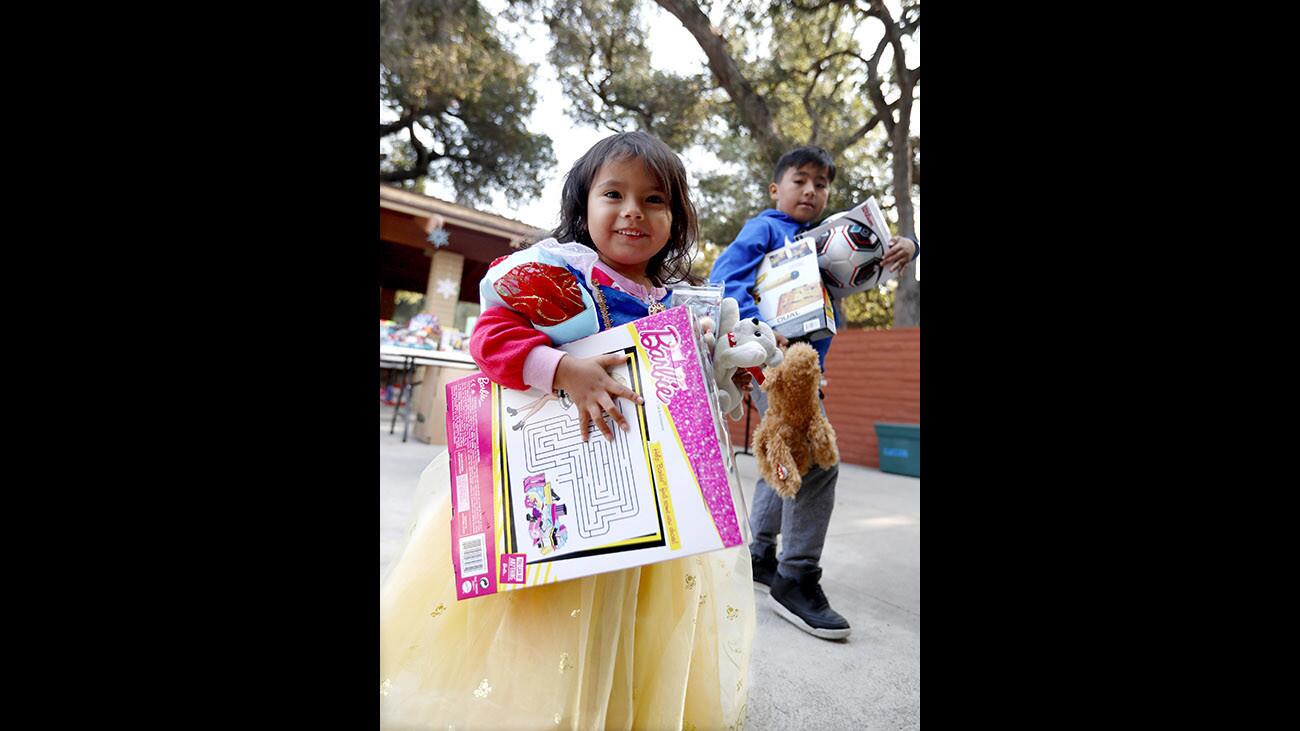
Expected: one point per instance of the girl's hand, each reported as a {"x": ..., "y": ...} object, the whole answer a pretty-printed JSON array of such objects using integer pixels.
[
  {"x": 593, "y": 391},
  {"x": 901, "y": 250}
]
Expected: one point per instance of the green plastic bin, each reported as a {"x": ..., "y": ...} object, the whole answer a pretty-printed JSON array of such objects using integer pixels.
[{"x": 900, "y": 448}]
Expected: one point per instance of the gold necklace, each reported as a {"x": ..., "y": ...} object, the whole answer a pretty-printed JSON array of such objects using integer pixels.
[{"x": 604, "y": 309}]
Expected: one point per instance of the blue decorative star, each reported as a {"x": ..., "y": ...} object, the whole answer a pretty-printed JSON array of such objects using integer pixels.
[{"x": 438, "y": 237}]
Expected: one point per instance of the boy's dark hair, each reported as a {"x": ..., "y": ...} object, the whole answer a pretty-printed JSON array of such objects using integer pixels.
[
  {"x": 800, "y": 156},
  {"x": 673, "y": 262}
]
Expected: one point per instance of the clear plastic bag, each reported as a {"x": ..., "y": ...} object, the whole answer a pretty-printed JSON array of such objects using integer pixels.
[{"x": 706, "y": 301}]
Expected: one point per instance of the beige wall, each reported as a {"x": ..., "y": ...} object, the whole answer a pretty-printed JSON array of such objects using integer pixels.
[
  {"x": 429, "y": 398},
  {"x": 446, "y": 266}
]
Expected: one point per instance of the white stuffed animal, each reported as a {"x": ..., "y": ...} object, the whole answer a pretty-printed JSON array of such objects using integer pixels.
[{"x": 740, "y": 344}]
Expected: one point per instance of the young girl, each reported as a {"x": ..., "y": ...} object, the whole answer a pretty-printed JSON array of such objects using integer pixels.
[{"x": 664, "y": 646}]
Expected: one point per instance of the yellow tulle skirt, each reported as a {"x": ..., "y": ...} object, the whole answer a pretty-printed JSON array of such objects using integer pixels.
[{"x": 664, "y": 646}]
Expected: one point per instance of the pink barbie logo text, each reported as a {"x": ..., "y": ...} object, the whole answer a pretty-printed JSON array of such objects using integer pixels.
[{"x": 663, "y": 347}]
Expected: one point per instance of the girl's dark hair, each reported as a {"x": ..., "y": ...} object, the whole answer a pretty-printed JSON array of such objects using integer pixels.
[{"x": 673, "y": 262}]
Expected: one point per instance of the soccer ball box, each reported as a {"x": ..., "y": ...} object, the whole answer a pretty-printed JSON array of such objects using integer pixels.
[{"x": 850, "y": 249}]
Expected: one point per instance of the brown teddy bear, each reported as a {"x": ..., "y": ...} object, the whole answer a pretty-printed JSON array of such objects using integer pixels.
[{"x": 793, "y": 433}]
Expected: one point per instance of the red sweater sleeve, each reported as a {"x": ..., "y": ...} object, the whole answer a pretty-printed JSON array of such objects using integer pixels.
[{"x": 501, "y": 342}]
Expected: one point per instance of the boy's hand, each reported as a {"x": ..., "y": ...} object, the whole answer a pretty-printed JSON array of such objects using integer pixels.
[
  {"x": 593, "y": 391},
  {"x": 901, "y": 250},
  {"x": 781, "y": 341}
]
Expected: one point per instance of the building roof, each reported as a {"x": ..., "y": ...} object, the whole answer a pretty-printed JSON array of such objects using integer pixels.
[{"x": 417, "y": 204}]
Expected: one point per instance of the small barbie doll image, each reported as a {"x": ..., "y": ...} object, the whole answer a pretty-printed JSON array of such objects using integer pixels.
[{"x": 532, "y": 407}]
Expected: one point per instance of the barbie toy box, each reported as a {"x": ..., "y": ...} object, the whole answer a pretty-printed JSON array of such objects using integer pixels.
[
  {"x": 789, "y": 293},
  {"x": 533, "y": 504}
]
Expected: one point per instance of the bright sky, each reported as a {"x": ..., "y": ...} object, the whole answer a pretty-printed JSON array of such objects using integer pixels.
[{"x": 672, "y": 48}]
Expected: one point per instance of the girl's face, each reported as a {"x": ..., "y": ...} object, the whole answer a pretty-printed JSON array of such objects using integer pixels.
[{"x": 628, "y": 217}]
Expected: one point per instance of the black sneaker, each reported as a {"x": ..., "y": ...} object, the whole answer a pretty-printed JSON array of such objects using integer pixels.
[
  {"x": 764, "y": 569},
  {"x": 803, "y": 603}
]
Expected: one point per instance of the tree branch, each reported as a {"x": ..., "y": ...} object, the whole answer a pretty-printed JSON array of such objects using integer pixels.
[
  {"x": 835, "y": 88},
  {"x": 393, "y": 176},
  {"x": 879, "y": 10},
  {"x": 422, "y": 159},
  {"x": 912, "y": 19},
  {"x": 817, "y": 65},
  {"x": 421, "y": 153},
  {"x": 751, "y": 107},
  {"x": 417, "y": 171},
  {"x": 814, "y": 6},
  {"x": 402, "y": 123},
  {"x": 599, "y": 90},
  {"x": 844, "y": 143},
  {"x": 883, "y": 110},
  {"x": 808, "y": 107}
]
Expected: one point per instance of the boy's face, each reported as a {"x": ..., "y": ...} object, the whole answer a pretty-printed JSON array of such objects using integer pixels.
[{"x": 801, "y": 192}]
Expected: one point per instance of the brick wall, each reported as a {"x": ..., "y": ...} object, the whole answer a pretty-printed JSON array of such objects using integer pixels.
[{"x": 872, "y": 375}]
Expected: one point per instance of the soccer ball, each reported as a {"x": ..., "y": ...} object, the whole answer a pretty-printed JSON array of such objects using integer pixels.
[{"x": 850, "y": 259}]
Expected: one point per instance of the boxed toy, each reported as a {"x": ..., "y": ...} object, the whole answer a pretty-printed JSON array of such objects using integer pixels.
[
  {"x": 533, "y": 504},
  {"x": 789, "y": 294}
]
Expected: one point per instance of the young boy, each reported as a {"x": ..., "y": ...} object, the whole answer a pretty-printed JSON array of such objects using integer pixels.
[{"x": 800, "y": 187}]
